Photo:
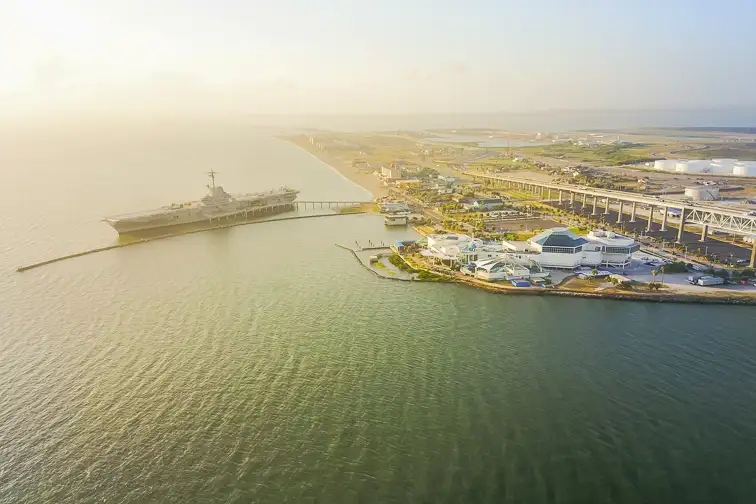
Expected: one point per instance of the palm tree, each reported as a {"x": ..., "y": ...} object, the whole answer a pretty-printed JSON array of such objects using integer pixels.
[
  {"x": 662, "y": 273},
  {"x": 653, "y": 274},
  {"x": 594, "y": 272}
]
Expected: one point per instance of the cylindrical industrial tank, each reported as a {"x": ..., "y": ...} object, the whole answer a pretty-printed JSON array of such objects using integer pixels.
[
  {"x": 722, "y": 166},
  {"x": 744, "y": 169},
  {"x": 693, "y": 166},
  {"x": 665, "y": 164},
  {"x": 702, "y": 193},
  {"x": 699, "y": 166}
]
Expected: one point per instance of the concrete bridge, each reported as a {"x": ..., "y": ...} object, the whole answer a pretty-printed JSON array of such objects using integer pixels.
[{"x": 705, "y": 215}]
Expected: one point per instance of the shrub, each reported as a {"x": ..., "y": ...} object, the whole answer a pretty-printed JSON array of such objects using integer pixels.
[
  {"x": 675, "y": 267},
  {"x": 430, "y": 277},
  {"x": 399, "y": 263}
]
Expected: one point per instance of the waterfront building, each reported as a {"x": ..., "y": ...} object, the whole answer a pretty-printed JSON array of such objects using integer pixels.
[
  {"x": 507, "y": 267},
  {"x": 460, "y": 248},
  {"x": 561, "y": 248}
]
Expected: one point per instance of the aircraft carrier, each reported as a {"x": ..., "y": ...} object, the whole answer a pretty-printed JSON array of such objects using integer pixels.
[{"x": 216, "y": 206}]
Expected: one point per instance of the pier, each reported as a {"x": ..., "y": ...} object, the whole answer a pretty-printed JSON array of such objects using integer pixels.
[
  {"x": 218, "y": 222},
  {"x": 330, "y": 204}
]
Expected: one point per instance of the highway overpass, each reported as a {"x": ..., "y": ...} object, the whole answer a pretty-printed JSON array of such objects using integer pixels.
[{"x": 708, "y": 216}]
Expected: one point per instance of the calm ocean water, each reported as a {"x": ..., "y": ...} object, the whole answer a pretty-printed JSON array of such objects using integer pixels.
[{"x": 262, "y": 364}]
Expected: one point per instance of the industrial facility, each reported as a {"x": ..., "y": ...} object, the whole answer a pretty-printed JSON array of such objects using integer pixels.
[
  {"x": 710, "y": 166},
  {"x": 702, "y": 193}
]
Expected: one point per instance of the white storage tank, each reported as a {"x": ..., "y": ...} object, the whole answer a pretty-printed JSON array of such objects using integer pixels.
[
  {"x": 744, "y": 169},
  {"x": 702, "y": 193},
  {"x": 665, "y": 164},
  {"x": 693, "y": 166},
  {"x": 722, "y": 166}
]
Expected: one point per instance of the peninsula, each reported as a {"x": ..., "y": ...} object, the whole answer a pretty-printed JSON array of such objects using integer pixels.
[{"x": 525, "y": 219}]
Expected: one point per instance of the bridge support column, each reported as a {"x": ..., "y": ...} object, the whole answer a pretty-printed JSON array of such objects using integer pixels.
[
  {"x": 549, "y": 196},
  {"x": 753, "y": 255},
  {"x": 606, "y": 208},
  {"x": 682, "y": 226},
  {"x": 584, "y": 196},
  {"x": 619, "y": 214},
  {"x": 560, "y": 196},
  {"x": 704, "y": 232},
  {"x": 572, "y": 199},
  {"x": 650, "y": 218},
  {"x": 595, "y": 202},
  {"x": 632, "y": 212},
  {"x": 665, "y": 210}
]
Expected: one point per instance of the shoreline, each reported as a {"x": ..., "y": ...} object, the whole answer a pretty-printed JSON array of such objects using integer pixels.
[
  {"x": 501, "y": 289},
  {"x": 366, "y": 181},
  {"x": 370, "y": 183}
]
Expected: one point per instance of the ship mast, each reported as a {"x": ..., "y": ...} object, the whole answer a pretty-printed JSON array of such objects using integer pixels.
[{"x": 212, "y": 176}]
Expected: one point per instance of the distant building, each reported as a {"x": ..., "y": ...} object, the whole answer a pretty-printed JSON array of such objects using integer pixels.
[
  {"x": 481, "y": 204},
  {"x": 409, "y": 183},
  {"x": 391, "y": 172}
]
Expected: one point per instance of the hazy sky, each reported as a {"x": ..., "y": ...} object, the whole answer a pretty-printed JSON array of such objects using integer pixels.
[{"x": 389, "y": 56}]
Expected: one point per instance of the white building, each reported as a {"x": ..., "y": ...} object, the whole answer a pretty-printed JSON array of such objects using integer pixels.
[
  {"x": 460, "y": 248},
  {"x": 563, "y": 249},
  {"x": 616, "y": 250},
  {"x": 508, "y": 267},
  {"x": 391, "y": 172}
]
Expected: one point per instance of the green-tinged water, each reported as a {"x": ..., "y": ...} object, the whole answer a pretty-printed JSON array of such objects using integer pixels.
[{"x": 263, "y": 364}]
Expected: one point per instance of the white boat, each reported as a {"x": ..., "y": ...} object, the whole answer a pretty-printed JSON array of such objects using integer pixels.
[{"x": 395, "y": 219}]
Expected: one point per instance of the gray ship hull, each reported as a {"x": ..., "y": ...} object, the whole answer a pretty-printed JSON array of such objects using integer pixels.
[
  {"x": 126, "y": 227},
  {"x": 215, "y": 209}
]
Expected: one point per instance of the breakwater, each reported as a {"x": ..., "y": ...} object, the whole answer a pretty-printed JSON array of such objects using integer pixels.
[{"x": 139, "y": 241}]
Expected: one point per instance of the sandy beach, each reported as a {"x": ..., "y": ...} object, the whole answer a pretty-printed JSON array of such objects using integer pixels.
[{"x": 343, "y": 165}]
